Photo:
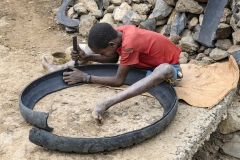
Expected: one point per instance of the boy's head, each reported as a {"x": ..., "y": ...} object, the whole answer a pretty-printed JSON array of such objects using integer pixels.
[
  {"x": 100, "y": 35},
  {"x": 103, "y": 39}
]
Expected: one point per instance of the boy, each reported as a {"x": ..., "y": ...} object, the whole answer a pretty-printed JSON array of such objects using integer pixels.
[{"x": 136, "y": 47}]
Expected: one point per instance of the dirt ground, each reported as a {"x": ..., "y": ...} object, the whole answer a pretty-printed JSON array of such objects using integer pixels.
[{"x": 29, "y": 32}]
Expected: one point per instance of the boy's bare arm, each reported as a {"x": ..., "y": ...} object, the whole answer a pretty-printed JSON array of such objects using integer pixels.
[
  {"x": 162, "y": 72},
  {"x": 76, "y": 76},
  {"x": 89, "y": 55},
  {"x": 115, "y": 81}
]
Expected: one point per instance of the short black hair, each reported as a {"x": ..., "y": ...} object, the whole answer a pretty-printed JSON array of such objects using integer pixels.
[{"x": 100, "y": 35}]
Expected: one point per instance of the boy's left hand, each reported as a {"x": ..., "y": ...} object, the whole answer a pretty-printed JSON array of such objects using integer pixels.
[{"x": 74, "y": 76}]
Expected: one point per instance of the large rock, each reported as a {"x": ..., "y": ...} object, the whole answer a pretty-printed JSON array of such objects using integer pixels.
[
  {"x": 233, "y": 24},
  {"x": 223, "y": 31},
  {"x": 185, "y": 33},
  {"x": 172, "y": 17},
  {"x": 98, "y": 14},
  {"x": 80, "y": 8},
  {"x": 223, "y": 44},
  {"x": 165, "y": 30},
  {"x": 175, "y": 38},
  {"x": 108, "y": 18},
  {"x": 233, "y": 49},
  {"x": 236, "y": 37},
  {"x": 189, "y": 6},
  {"x": 151, "y": 2},
  {"x": 192, "y": 23},
  {"x": 110, "y": 9},
  {"x": 188, "y": 44},
  {"x": 70, "y": 12},
  {"x": 141, "y": 8},
  {"x": 116, "y": 2},
  {"x": 86, "y": 24},
  {"x": 120, "y": 11},
  {"x": 161, "y": 10},
  {"x": 90, "y": 5},
  {"x": 196, "y": 32},
  {"x": 232, "y": 123},
  {"x": 226, "y": 16},
  {"x": 233, "y": 147},
  {"x": 218, "y": 54},
  {"x": 183, "y": 59},
  {"x": 179, "y": 23},
  {"x": 106, "y": 3},
  {"x": 149, "y": 24},
  {"x": 131, "y": 17}
]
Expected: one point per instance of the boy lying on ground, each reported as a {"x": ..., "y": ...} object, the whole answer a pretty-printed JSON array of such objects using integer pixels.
[{"x": 136, "y": 47}]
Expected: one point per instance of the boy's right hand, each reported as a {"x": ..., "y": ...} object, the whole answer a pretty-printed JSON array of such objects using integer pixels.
[{"x": 77, "y": 55}]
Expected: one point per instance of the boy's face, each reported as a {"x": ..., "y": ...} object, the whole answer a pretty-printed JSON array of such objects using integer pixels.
[{"x": 109, "y": 51}]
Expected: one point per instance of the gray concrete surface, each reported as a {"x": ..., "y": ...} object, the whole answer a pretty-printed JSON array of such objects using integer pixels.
[{"x": 182, "y": 138}]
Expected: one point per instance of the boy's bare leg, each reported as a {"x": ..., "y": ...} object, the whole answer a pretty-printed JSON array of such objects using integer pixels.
[
  {"x": 90, "y": 56},
  {"x": 49, "y": 67},
  {"x": 161, "y": 73}
]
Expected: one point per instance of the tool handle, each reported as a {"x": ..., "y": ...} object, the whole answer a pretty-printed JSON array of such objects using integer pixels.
[{"x": 75, "y": 48}]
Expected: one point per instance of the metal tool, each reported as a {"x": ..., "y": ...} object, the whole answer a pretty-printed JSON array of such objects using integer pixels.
[{"x": 75, "y": 48}]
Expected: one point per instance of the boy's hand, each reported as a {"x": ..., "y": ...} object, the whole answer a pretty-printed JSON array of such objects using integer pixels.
[
  {"x": 77, "y": 55},
  {"x": 74, "y": 76},
  {"x": 98, "y": 111}
]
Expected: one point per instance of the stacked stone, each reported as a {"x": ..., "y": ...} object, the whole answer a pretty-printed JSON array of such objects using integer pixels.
[{"x": 180, "y": 20}]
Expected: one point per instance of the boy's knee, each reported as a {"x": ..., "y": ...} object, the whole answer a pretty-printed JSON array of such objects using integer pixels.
[{"x": 164, "y": 70}]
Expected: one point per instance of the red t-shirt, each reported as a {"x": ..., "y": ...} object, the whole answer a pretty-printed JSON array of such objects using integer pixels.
[{"x": 146, "y": 49}]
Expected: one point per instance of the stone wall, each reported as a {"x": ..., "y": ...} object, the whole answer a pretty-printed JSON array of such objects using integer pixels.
[{"x": 180, "y": 20}]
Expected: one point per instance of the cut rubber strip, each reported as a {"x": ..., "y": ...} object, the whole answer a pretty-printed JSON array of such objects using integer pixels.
[
  {"x": 211, "y": 20},
  {"x": 63, "y": 19},
  {"x": 53, "y": 82}
]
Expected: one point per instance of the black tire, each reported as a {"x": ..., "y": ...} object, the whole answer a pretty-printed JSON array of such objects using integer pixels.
[
  {"x": 52, "y": 82},
  {"x": 68, "y": 22},
  {"x": 63, "y": 19}
]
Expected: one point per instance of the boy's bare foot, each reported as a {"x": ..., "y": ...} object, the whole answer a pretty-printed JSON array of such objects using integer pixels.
[
  {"x": 48, "y": 67},
  {"x": 97, "y": 113}
]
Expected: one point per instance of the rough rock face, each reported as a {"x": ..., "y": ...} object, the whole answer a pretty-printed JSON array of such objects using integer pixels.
[{"x": 222, "y": 147}]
